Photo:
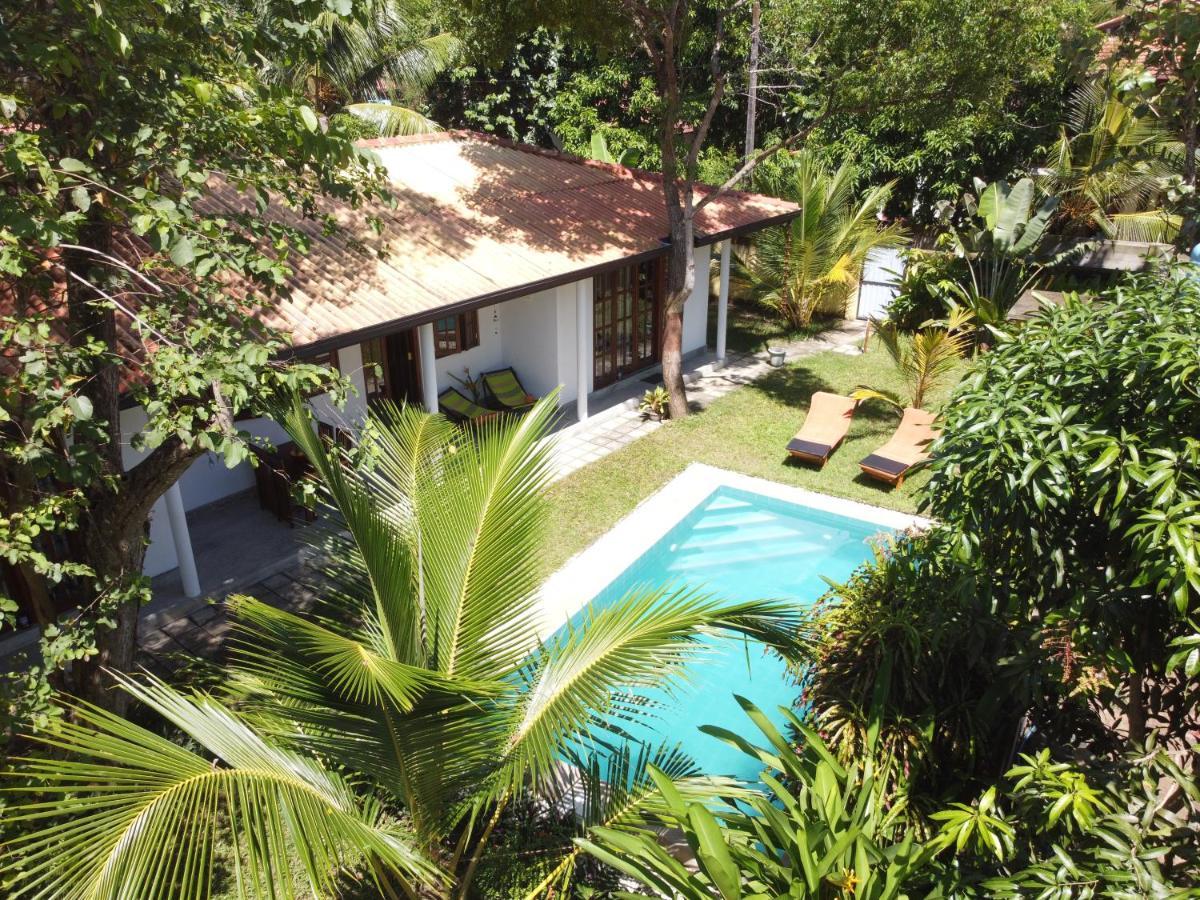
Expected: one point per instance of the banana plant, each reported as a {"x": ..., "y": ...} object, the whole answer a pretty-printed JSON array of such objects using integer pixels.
[
  {"x": 1006, "y": 246},
  {"x": 822, "y": 831}
]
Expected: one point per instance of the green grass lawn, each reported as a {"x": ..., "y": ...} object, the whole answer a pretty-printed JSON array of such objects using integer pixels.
[
  {"x": 752, "y": 327},
  {"x": 746, "y": 431}
]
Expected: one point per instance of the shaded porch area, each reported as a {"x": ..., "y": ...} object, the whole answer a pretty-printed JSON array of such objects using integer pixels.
[{"x": 235, "y": 544}]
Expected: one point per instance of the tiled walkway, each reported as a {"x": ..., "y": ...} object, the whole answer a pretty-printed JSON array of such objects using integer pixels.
[{"x": 172, "y": 637}]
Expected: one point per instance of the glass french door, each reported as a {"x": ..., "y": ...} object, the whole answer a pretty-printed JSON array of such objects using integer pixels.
[{"x": 625, "y": 321}]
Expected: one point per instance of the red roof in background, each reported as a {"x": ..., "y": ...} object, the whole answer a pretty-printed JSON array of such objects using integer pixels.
[{"x": 1113, "y": 38}]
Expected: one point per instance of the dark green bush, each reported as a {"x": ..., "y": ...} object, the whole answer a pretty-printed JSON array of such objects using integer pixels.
[
  {"x": 1070, "y": 470},
  {"x": 922, "y": 287}
]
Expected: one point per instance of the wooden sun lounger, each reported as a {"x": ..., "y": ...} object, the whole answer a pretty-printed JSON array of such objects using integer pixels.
[
  {"x": 907, "y": 447},
  {"x": 506, "y": 388},
  {"x": 824, "y": 427},
  {"x": 458, "y": 405}
]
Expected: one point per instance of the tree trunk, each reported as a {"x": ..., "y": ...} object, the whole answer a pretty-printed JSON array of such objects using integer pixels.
[
  {"x": 116, "y": 554},
  {"x": 681, "y": 280},
  {"x": 752, "y": 80},
  {"x": 113, "y": 528},
  {"x": 681, "y": 268},
  {"x": 1189, "y": 139}
]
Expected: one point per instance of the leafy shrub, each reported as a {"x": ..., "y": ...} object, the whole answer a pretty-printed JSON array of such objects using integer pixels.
[
  {"x": 906, "y": 659},
  {"x": 1046, "y": 829},
  {"x": 1070, "y": 468},
  {"x": 1050, "y": 829},
  {"x": 655, "y": 403},
  {"x": 922, "y": 288}
]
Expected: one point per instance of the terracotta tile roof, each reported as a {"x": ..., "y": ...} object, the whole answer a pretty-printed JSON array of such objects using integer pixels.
[{"x": 478, "y": 220}]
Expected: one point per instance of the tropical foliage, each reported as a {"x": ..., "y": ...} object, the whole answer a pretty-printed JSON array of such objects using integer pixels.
[
  {"x": 1046, "y": 829},
  {"x": 822, "y": 831},
  {"x": 812, "y": 264},
  {"x": 925, "y": 359},
  {"x": 113, "y": 119},
  {"x": 905, "y": 669},
  {"x": 1006, "y": 246},
  {"x": 366, "y": 66},
  {"x": 1071, "y": 465},
  {"x": 386, "y": 732},
  {"x": 925, "y": 288},
  {"x": 924, "y": 93},
  {"x": 1050, "y": 611},
  {"x": 1110, "y": 169}
]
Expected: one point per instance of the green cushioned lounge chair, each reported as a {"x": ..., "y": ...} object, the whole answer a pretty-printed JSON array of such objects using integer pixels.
[
  {"x": 458, "y": 405},
  {"x": 504, "y": 385}
]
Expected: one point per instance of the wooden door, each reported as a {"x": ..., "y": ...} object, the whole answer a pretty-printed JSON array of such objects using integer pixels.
[
  {"x": 626, "y": 312},
  {"x": 390, "y": 368}
]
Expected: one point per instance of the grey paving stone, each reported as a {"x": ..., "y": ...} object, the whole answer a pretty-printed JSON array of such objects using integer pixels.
[{"x": 203, "y": 614}]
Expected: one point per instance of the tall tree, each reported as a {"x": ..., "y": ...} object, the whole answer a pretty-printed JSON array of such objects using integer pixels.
[
  {"x": 752, "y": 79},
  {"x": 917, "y": 63},
  {"x": 111, "y": 141},
  {"x": 368, "y": 65}
]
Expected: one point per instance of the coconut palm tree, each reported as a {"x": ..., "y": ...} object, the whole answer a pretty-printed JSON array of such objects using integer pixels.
[
  {"x": 924, "y": 360},
  {"x": 813, "y": 263},
  {"x": 366, "y": 66},
  {"x": 1109, "y": 170},
  {"x": 385, "y": 732}
]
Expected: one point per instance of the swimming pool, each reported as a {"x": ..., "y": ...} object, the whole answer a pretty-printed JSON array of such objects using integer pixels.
[{"x": 739, "y": 545}]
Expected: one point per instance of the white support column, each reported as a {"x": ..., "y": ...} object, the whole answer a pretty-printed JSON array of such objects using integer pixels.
[
  {"x": 583, "y": 344},
  {"x": 429, "y": 386},
  {"x": 723, "y": 302},
  {"x": 183, "y": 542}
]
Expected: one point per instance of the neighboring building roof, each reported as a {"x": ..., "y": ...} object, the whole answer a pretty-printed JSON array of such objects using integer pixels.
[
  {"x": 1116, "y": 31},
  {"x": 478, "y": 220}
]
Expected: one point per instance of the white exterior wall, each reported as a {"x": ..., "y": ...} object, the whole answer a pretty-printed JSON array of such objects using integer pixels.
[
  {"x": 487, "y": 356},
  {"x": 695, "y": 308},
  {"x": 531, "y": 341},
  {"x": 565, "y": 344},
  {"x": 536, "y": 335}
]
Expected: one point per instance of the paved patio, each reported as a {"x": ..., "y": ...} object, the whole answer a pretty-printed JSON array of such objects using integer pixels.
[{"x": 266, "y": 559}]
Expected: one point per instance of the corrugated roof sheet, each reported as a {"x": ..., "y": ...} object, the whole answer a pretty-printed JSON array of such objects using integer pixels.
[{"x": 477, "y": 220}]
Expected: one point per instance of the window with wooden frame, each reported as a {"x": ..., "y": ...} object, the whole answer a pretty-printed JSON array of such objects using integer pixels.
[
  {"x": 374, "y": 370},
  {"x": 457, "y": 333}
]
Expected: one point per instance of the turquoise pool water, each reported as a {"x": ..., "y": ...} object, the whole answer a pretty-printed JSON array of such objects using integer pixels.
[{"x": 739, "y": 545}]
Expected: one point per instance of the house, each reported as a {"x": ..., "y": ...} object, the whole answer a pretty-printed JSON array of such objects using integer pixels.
[{"x": 494, "y": 254}]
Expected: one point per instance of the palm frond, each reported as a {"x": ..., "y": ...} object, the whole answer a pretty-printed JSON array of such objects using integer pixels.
[
  {"x": 392, "y": 120},
  {"x": 134, "y": 815},
  {"x": 813, "y": 262},
  {"x": 481, "y": 541},
  {"x": 383, "y": 550},
  {"x": 616, "y": 792},
  {"x": 640, "y": 641}
]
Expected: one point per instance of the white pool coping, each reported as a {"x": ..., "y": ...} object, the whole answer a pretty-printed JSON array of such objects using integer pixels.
[{"x": 587, "y": 573}]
